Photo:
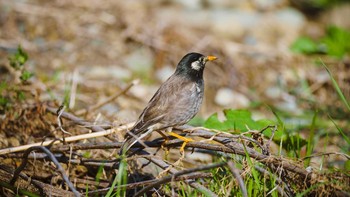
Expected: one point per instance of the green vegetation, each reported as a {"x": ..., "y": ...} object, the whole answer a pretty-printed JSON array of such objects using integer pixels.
[
  {"x": 120, "y": 179},
  {"x": 335, "y": 43},
  {"x": 323, "y": 4},
  {"x": 17, "y": 62},
  {"x": 238, "y": 120},
  {"x": 11, "y": 93}
]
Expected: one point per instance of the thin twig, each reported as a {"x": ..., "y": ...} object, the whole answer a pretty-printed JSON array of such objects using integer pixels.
[
  {"x": 53, "y": 159},
  {"x": 79, "y": 121},
  {"x": 191, "y": 183},
  {"x": 73, "y": 89},
  {"x": 179, "y": 173},
  {"x": 327, "y": 153},
  {"x": 238, "y": 177},
  {"x": 278, "y": 180},
  {"x": 143, "y": 183},
  {"x": 231, "y": 147},
  {"x": 68, "y": 139},
  {"x": 44, "y": 189},
  {"x": 273, "y": 129},
  {"x": 59, "y": 112}
]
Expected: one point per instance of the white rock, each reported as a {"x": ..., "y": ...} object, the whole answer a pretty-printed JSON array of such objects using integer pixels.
[
  {"x": 142, "y": 91},
  {"x": 232, "y": 23},
  {"x": 164, "y": 73},
  {"x": 113, "y": 71},
  {"x": 229, "y": 98},
  {"x": 140, "y": 60},
  {"x": 273, "y": 92},
  {"x": 193, "y": 4}
]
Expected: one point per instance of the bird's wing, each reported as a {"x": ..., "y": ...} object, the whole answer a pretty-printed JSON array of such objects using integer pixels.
[{"x": 163, "y": 100}]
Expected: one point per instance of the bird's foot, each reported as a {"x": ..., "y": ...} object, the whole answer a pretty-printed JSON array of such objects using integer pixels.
[
  {"x": 166, "y": 139},
  {"x": 185, "y": 139},
  {"x": 166, "y": 149}
]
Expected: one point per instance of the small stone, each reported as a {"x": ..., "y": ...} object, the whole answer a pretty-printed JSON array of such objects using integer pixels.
[
  {"x": 164, "y": 73},
  {"x": 143, "y": 92},
  {"x": 140, "y": 60},
  {"x": 232, "y": 23},
  {"x": 229, "y": 98},
  {"x": 273, "y": 92},
  {"x": 106, "y": 72}
]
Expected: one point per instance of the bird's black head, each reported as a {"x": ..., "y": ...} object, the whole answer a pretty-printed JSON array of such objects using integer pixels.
[{"x": 192, "y": 65}]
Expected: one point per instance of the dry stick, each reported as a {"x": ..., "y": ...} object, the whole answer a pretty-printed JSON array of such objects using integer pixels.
[
  {"x": 193, "y": 184},
  {"x": 79, "y": 121},
  {"x": 68, "y": 139},
  {"x": 231, "y": 147},
  {"x": 63, "y": 159},
  {"x": 143, "y": 183},
  {"x": 327, "y": 153},
  {"x": 272, "y": 134},
  {"x": 53, "y": 159},
  {"x": 237, "y": 148},
  {"x": 73, "y": 90},
  {"x": 238, "y": 177},
  {"x": 279, "y": 181},
  {"x": 60, "y": 110},
  {"x": 179, "y": 173},
  {"x": 109, "y": 99},
  {"x": 208, "y": 133},
  {"x": 44, "y": 189}
]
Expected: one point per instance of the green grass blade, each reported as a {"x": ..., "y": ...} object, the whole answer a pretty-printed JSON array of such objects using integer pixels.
[
  {"x": 345, "y": 137},
  {"x": 254, "y": 172},
  {"x": 120, "y": 179},
  {"x": 310, "y": 142},
  {"x": 336, "y": 86}
]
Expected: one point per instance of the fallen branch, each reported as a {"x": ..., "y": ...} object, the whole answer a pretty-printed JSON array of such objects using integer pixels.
[
  {"x": 179, "y": 173},
  {"x": 237, "y": 175},
  {"x": 29, "y": 184},
  {"x": 191, "y": 183},
  {"x": 67, "y": 139},
  {"x": 53, "y": 159},
  {"x": 78, "y": 121},
  {"x": 148, "y": 182}
]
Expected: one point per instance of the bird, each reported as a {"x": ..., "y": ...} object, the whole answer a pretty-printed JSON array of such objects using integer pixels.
[{"x": 174, "y": 104}]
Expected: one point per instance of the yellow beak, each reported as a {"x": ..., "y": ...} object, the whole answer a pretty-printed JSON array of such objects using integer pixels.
[{"x": 211, "y": 58}]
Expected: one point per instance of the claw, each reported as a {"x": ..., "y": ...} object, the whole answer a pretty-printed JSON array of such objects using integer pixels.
[
  {"x": 166, "y": 139},
  {"x": 185, "y": 139}
]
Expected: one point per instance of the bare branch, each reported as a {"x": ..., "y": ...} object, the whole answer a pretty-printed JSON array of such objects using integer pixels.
[
  {"x": 179, "y": 173},
  {"x": 68, "y": 139},
  {"x": 53, "y": 159},
  {"x": 238, "y": 177},
  {"x": 143, "y": 183}
]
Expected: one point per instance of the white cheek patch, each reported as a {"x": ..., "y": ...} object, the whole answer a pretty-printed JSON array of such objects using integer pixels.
[
  {"x": 198, "y": 89},
  {"x": 195, "y": 65}
]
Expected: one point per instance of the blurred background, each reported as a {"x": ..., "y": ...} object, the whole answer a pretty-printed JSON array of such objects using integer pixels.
[{"x": 271, "y": 55}]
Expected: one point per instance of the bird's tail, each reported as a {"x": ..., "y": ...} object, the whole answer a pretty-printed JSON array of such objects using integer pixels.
[
  {"x": 126, "y": 145},
  {"x": 131, "y": 138}
]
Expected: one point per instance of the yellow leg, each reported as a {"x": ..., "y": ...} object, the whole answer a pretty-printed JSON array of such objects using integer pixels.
[
  {"x": 166, "y": 139},
  {"x": 185, "y": 139}
]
